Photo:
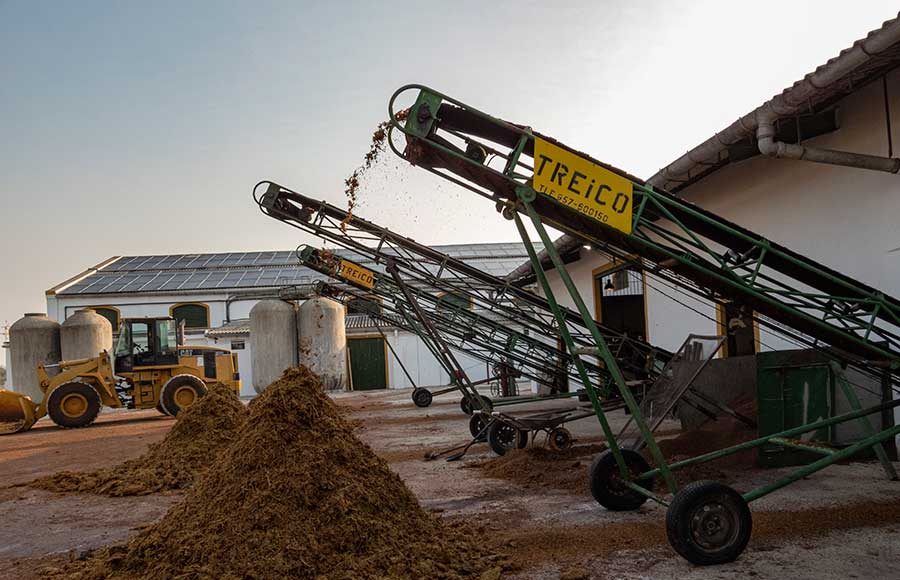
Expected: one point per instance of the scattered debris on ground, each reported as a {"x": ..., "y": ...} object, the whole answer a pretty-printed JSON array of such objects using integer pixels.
[
  {"x": 296, "y": 495},
  {"x": 725, "y": 431},
  {"x": 777, "y": 525},
  {"x": 543, "y": 468},
  {"x": 376, "y": 147},
  {"x": 577, "y": 545},
  {"x": 199, "y": 435}
]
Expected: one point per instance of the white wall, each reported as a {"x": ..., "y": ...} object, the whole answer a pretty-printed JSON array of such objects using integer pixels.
[
  {"x": 419, "y": 361},
  {"x": 421, "y": 364},
  {"x": 844, "y": 218},
  {"x": 841, "y": 217},
  {"x": 60, "y": 307},
  {"x": 8, "y": 364}
]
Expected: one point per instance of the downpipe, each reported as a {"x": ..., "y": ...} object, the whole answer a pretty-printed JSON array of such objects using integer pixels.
[{"x": 768, "y": 146}]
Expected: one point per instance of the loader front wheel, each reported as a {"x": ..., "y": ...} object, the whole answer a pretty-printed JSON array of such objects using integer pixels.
[
  {"x": 181, "y": 392},
  {"x": 74, "y": 405}
]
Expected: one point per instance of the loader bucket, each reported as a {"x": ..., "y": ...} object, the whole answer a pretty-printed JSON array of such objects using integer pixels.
[{"x": 17, "y": 412}]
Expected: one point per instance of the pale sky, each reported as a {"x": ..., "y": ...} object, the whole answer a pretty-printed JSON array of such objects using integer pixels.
[{"x": 134, "y": 127}]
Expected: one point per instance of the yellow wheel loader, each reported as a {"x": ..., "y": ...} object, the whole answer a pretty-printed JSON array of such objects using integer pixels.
[{"x": 146, "y": 370}]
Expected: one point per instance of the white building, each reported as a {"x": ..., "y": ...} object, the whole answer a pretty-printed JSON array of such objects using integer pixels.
[
  {"x": 841, "y": 216},
  {"x": 214, "y": 293}
]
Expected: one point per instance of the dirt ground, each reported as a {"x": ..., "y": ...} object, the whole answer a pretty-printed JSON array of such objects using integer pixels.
[{"x": 841, "y": 523}]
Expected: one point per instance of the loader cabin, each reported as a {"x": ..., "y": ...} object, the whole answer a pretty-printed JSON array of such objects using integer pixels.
[
  {"x": 155, "y": 342},
  {"x": 146, "y": 342}
]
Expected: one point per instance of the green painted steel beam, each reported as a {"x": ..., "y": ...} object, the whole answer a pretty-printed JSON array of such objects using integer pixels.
[
  {"x": 807, "y": 470},
  {"x": 753, "y": 274},
  {"x": 815, "y": 426},
  {"x": 801, "y": 447},
  {"x": 526, "y": 196}
]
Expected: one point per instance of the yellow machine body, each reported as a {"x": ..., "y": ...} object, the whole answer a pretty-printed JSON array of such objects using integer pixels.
[{"x": 141, "y": 386}]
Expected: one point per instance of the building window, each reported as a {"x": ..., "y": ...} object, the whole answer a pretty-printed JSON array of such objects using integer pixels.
[
  {"x": 109, "y": 313},
  {"x": 369, "y": 305},
  {"x": 454, "y": 302},
  {"x": 237, "y": 345},
  {"x": 193, "y": 315},
  {"x": 738, "y": 325},
  {"x": 619, "y": 299}
]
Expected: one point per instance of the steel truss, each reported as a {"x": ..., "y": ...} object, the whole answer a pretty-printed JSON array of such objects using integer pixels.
[
  {"x": 707, "y": 522},
  {"x": 507, "y": 319}
]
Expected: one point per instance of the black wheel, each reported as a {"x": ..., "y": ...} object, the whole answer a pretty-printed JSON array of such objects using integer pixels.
[
  {"x": 422, "y": 397},
  {"x": 606, "y": 482},
  {"x": 180, "y": 392},
  {"x": 708, "y": 523},
  {"x": 74, "y": 404},
  {"x": 561, "y": 439},
  {"x": 466, "y": 405},
  {"x": 476, "y": 426},
  {"x": 159, "y": 408},
  {"x": 503, "y": 437}
]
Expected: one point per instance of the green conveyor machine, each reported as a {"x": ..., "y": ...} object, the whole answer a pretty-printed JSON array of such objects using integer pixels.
[
  {"x": 534, "y": 179},
  {"x": 510, "y": 328}
]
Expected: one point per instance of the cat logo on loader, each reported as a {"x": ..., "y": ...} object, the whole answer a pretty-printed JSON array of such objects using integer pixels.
[{"x": 148, "y": 369}]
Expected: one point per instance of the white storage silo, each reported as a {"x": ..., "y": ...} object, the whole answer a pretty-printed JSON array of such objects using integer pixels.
[
  {"x": 85, "y": 334},
  {"x": 33, "y": 340},
  {"x": 273, "y": 341},
  {"x": 323, "y": 341}
]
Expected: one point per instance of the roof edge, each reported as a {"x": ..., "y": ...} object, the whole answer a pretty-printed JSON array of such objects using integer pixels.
[
  {"x": 790, "y": 101},
  {"x": 78, "y": 277}
]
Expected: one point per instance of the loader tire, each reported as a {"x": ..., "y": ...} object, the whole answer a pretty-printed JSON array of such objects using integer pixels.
[
  {"x": 74, "y": 405},
  {"x": 180, "y": 392}
]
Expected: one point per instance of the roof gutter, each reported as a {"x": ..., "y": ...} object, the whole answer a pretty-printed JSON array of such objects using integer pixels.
[
  {"x": 759, "y": 124},
  {"x": 789, "y": 102},
  {"x": 768, "y": 146}
]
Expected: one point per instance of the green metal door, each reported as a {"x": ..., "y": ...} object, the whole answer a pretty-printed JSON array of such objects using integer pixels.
[
  {"x": 367, "y": 363},
  {"x": 793, "y": 388}
]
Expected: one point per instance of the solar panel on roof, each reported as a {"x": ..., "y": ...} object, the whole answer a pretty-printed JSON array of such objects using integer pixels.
[
  {"x": 258, "y": 269},
  {"x": 213, "y": 261},
  {"x": 249, "y": 279},
  {"x": 171, "y": 283}
]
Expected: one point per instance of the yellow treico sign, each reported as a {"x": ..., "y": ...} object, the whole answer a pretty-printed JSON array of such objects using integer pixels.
[
  {"x": 356, "y": 274},
  {"x": 583, "y": 186}
]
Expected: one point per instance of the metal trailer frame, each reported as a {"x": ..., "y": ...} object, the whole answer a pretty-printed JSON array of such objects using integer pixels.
[
  {"x": 482, "y": 419},
  {"x": 481, "y": 422},
  {"x": 471, "y": 332},
  {"x": 707, "y": 522}
]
